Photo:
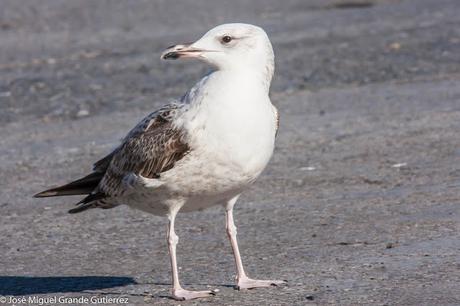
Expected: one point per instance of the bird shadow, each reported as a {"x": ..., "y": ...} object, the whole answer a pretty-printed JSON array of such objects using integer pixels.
[{"x": 26, "y": 285}]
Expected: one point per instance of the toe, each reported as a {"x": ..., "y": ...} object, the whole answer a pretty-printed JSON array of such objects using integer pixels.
[
  {"x": 255, "y": 283},
  {"x": 278, "y": 282},
  {"x": 182, "y": 294}
]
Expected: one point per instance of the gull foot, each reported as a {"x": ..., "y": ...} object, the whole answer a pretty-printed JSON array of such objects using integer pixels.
[
  {"x": 247, "y": 283},
  {"x": 182, "y": 294}
]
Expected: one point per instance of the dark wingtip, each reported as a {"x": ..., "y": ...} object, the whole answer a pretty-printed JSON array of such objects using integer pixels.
[
  {"x": 44, "y": 194},
  {"x": 79, "y": 209},
  {"x": 74, "y": 210}
]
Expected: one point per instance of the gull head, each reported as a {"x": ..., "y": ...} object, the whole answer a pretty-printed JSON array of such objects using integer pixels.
[{"x": 228, "y": 47}]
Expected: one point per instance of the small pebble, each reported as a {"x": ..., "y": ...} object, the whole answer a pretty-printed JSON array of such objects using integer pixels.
[
  {"x": 309, "y": 168},
  {"x": 82, "y": 113},
  {"x": 395, "y": 46}
]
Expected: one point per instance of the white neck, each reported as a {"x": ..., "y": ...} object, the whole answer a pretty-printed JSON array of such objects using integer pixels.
[{"x": 244, "y": 79}]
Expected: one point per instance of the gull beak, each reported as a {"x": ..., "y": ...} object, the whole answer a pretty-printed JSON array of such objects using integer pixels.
[{"x": 177, "y": 51}]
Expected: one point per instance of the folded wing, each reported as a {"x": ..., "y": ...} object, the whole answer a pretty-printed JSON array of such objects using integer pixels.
[{"x": 152, "y": 147}]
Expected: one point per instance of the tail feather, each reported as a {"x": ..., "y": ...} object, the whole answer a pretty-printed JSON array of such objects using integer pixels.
[
  {"x": 85, "y": 185},
  {"x": 93, "y": 197},
  {"x": 81, "y": 208},
  {"x": 88, "y": 202}
]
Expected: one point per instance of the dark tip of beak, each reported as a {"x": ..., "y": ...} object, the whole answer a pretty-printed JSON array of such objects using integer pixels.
[
  {"x": 171, "y": 55},
  {"x": 172, "y": 52},
  {"x": 177, "y": 51}
]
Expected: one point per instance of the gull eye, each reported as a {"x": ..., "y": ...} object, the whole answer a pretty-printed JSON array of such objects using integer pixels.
[{"x": 226, "y": 39}]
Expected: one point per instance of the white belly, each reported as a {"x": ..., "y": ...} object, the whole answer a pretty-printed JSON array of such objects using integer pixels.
[{"x": 197, "y": 182}]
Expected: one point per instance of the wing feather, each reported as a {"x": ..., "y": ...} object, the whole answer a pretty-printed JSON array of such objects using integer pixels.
[{"x": 152, "y": 147}]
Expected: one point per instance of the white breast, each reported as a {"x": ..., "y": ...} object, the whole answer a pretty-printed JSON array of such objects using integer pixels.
[
  {"x": 232, "y": 133},
  {"x": 236, "y": 123}
]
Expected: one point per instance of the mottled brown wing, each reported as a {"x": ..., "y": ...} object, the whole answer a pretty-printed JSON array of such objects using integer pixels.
[
  {"x": 104, "y": 163},
  {"x": 150, "y": 149}
]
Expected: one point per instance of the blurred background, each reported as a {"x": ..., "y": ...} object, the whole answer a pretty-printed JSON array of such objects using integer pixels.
[
  {"x": 359, "y": 204},
  {"x": 99, "y": 56}
]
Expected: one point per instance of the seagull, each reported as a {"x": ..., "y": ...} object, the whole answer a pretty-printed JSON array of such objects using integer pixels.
[{"x": 200, "y": 151}]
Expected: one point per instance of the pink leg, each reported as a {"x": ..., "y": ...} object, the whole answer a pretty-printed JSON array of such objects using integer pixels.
[
  {"x": 178, "y": 293},
  {"x": 243, "y": 281}
]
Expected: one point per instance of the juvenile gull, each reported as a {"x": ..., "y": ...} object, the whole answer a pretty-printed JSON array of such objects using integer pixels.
[{"x": 201, "y": 151}]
